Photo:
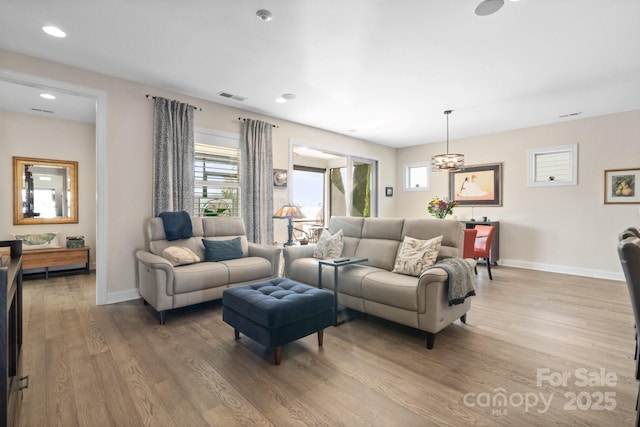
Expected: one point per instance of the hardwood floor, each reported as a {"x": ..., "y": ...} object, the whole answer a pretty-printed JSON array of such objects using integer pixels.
[{"x": 115, "y": 365}]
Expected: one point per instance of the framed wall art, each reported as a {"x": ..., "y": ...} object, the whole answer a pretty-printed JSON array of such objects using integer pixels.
[
  {"x": 621, "y": 186},
  {"x": 479, "y": 185},
  {"x": 280, "y": 178}
]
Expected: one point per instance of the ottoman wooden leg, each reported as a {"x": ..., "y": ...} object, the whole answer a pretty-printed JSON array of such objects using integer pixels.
[
  {"x": 320, "y": 337},
  {"x": 278, "y": 354},
  {"x": 237, "y": 334}
]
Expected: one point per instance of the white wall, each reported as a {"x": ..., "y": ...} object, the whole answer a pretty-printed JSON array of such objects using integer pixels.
[
  {"x": 567, "y": 229},
  {"x": 27, "y": 135},
  {"x": 129, "y": 156}
]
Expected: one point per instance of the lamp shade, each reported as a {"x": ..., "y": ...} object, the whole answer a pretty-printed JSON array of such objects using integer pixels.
[
  {"x": 447, "y": 162},
  {"x": 289, "y": 211}
]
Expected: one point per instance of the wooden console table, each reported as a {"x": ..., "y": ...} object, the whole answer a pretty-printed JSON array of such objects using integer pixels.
[{"x": 45, "y": 258}]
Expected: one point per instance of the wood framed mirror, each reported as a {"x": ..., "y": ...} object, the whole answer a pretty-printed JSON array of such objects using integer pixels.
[{"x": 45, "y": 191}]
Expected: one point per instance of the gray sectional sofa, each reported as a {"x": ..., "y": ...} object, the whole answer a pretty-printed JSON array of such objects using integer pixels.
[
  {"x": 372, "y": 288},
  {"x": 165, "y": 286}
]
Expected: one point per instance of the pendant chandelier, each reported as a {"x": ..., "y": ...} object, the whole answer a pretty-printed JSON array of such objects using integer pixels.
[{"x": 447, "y": 162}]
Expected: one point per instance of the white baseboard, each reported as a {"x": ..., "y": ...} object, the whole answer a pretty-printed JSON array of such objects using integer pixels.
[
  {"x": 122, "y": 296},
  {"x": 563, "y": 269}
]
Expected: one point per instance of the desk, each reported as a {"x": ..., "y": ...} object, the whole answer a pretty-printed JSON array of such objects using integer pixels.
[
  {"x": 495, "y": 244},
  {"x": 335, "y": 263}
]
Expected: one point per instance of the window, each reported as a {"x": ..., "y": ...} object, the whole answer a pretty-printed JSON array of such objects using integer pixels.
[
  {"x": 553, "y": 166},
  {"x": 341, "y": 184},
  {"x": 416, "y": 177},
  {"x": 217, "y": 174}
]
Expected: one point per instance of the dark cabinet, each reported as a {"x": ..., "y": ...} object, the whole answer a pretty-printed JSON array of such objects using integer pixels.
[
  {"x": 11, "y": 333},
  {"x": 495, "y": 244}
]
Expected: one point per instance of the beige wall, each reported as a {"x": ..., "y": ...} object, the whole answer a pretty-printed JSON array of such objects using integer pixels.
[
  {"x": 129, "y": 156},
  {"x": 566, "y": 229},
  {"x": 27, "y": 135}
]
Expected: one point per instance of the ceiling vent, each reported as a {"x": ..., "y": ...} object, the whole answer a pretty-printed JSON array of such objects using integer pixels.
[{"x": 231, "y": 96}]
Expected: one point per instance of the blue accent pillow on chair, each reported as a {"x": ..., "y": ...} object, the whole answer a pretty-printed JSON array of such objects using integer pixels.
[{"x": 222, "y": 250}]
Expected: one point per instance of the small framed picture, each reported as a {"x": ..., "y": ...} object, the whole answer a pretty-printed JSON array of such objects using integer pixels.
[
  {"x": 388, "y": 191},
  {"x": 621, "y": 186},
  {"x": 280, "y": 178}
]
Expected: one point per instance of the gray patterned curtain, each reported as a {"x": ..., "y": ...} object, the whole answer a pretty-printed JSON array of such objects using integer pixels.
[
  {"x": 172, "y": 156},
  {"x": 257, "y": 181}
]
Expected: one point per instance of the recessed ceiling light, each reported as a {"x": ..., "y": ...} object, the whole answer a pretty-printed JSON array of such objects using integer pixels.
[
  {"x": 264, "y": 15},
  {"x": 285, "y": 97},
  {"x": 47, "y": 96},
  {"x": 488, "y": 7},
  {"x": 54, "y": 31}
]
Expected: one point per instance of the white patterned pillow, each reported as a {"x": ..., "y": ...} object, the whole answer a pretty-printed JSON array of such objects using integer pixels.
[
  {"x": 415, "y": 256},
  {"x": 179, "y": 255},
  {"x": 329, "y": 246}
]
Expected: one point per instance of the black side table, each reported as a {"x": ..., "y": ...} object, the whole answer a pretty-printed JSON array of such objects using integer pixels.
[{"x": 335, "y": 263}]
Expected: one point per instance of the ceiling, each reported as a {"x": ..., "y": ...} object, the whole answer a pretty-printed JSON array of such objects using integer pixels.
[{"x": 379, "y": 70}]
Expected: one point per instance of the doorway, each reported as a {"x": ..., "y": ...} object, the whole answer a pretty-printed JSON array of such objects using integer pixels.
[{"x": 99, "y": 103}]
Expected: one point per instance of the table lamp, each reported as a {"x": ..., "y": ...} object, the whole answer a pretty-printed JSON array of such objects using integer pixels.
[{"x": 289, "y": 211}]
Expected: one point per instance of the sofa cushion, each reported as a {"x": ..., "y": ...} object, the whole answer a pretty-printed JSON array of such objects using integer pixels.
[
  {"x": 222, "y": 250},
  {"x": 179, "y": 255},
  {"x": 247, "y": 269},
  {"x": 177, "y": 225},
  {"x": 415, "y": 255},
  {"x": 199, "y": 277},
  {"x": 329, "y": 246}
]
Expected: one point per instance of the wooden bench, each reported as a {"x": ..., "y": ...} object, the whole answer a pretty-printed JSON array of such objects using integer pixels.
[{"x": 45, "y": 258}]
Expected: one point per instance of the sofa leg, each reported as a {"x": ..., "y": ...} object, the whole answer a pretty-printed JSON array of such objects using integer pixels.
[
  {"x": 163, "y": 316},
  {"x": 320, "y": 337},
  {"x": 278, "y": 354},
  {"x": 431, "y": 339},
  {"x": 237, "y": 334},
  {"x": 144, "y": 302},
  {"x": 463, "y": 318}
]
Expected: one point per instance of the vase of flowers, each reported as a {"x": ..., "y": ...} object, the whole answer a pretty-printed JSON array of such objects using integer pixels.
[{"x": 440, "y": 208}]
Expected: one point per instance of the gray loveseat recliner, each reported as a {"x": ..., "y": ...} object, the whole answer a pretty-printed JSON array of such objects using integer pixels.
[
  {"x": 165, "y": 286},
  {"x": 420, "y": 302}
]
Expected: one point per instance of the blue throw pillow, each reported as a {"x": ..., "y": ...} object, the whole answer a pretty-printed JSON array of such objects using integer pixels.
[
  {"x": 222, "y": 250},
  {"x": 177, "y": 225}
]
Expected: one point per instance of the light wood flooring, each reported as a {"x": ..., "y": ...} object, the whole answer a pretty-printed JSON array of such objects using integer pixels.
[{"x": 115, "y": 365}]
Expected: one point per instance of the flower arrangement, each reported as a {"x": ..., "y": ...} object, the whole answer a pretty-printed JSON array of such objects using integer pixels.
[{"x": 440, "y": 208}]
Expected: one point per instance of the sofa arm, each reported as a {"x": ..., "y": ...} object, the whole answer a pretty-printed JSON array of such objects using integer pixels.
[
  {"x": 270, "y": 253},
  {"x": 292, "y": 253},
  {"x": 156, "y": 276}
]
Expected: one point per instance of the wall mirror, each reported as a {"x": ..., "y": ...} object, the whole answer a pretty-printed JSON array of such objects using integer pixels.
[{"x": 44, "y": 191}]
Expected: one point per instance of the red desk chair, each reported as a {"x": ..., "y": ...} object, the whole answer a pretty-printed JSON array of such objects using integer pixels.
[
  {"x": 469, "y": 242},
  {"x": 482, "y": 246}
]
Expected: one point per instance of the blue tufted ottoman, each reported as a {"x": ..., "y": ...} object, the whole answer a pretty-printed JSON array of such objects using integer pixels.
[{"x": 277, "y": 311}]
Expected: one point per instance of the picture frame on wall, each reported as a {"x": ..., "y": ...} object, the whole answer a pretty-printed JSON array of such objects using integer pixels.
[
  {"x": 479, "y": 185},
  {"x": 280, "y": 178},
  {"x": 621, "y": 186}
]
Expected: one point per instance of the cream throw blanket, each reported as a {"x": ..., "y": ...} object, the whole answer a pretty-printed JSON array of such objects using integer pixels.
[{"x": 460, "y": 280}]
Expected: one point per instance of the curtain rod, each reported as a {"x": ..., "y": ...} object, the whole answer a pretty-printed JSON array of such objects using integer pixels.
[
  {"x": 244, "y": 118},
  {"x": 192, "y": 106}
]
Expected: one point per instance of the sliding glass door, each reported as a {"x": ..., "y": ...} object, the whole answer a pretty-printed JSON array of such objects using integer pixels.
[{"x": 348, "y": 185}]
